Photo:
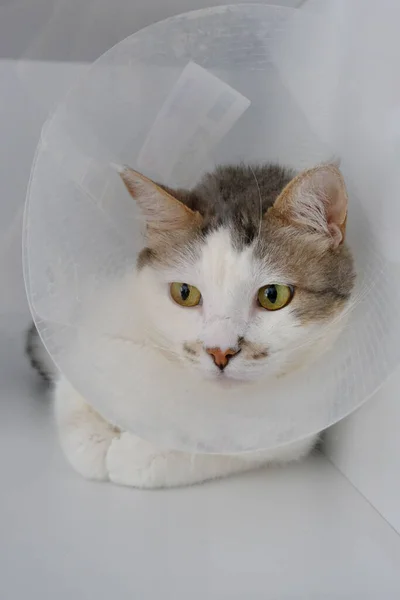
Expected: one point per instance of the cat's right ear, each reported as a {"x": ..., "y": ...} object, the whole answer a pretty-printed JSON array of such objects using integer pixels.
[
  {"x": 163, "y": 213},
  {"x": 316, "y": 201}
]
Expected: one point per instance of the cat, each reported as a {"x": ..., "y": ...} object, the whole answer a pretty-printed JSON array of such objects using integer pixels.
[{"x": 243, "y": 278}]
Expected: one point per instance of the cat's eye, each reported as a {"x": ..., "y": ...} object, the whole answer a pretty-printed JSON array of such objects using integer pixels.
[
  {"x": 275, "y": 296},
  {"x": 185, "y": 294}
]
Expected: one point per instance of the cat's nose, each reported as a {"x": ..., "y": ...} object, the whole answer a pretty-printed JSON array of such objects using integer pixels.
[{"x": 222, "y": 357}]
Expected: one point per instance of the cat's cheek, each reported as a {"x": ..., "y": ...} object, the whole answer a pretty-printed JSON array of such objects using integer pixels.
[{"x": 179, "y": 326}]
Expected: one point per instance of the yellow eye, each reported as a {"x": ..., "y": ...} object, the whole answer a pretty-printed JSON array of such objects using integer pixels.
[
  {"x": 275, "y": 296},
  {"x": 185, "y": 294}
]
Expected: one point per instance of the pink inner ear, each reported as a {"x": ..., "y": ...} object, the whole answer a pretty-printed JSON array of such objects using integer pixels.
[
  {"x": 337, "y": 204},
  {"x": 336, "y": 234},
  {"x": 336, "y": 209}
]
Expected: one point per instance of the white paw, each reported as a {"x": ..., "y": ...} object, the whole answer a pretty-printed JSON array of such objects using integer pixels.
[
  {"x": 137, "y": 463},
  {"x": 86, "y": 451},
  {"x": 87, "y": 457},
  {"x": 84, "y": 435}
]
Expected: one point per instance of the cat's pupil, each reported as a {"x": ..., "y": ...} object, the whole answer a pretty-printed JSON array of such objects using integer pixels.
[
  {"x": 185, "y": 291},
  {"x": 272, "y": 293}
]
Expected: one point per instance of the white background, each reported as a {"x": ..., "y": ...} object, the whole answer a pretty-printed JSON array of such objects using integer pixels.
[{"x": 302, "y": 532}]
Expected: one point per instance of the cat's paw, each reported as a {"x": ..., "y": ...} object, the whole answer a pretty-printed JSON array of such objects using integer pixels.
[
  {"x": 84, "y": 435},
  {"x": 137, "y": 463},
  {"x": 86, "y": 450}
]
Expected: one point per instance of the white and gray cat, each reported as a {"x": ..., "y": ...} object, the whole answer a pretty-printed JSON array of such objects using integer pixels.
[{"x": 242, "y": 278}]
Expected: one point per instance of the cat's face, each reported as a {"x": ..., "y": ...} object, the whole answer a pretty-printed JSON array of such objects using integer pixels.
[{"x": 239, "y": 307}]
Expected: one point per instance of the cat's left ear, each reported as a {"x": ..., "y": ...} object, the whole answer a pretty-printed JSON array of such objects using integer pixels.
[
  {"x": 163, "y": 213},
  {"x": 316, "y": 200}
]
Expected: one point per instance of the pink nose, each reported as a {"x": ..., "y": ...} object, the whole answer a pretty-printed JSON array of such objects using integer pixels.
[{"x": 221, "y": 357}]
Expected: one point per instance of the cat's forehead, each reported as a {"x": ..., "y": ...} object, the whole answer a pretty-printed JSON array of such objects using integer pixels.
[
  {"x": 221, "y": 259},
  {"x": 237, "y": 198},
  {"x": 216, "y": 261}
]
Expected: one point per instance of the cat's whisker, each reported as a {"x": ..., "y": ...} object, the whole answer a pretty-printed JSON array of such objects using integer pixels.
[
  {"x": 164, "y": 348},
  {"x": 141, "y": 343},
  {"x": 261, "y": 202},
  {"x": 122, "y": 338}
]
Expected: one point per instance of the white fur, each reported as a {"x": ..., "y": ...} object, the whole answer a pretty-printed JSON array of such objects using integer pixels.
[{"x": 139, "y": 307}]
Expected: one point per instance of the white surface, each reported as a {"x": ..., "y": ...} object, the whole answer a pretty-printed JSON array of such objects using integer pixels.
[
  {"x": 366, "y": 448},
  {"x": 300, "y": 532}
]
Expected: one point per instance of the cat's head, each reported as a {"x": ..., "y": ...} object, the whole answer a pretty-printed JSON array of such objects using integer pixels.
[{"x": 248, "y": 275}]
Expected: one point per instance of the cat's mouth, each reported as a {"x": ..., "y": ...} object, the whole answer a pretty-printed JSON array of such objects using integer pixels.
[{"x": 229, "y": 379}]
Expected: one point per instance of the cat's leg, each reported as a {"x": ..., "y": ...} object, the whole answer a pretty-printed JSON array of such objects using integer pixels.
[
  {"x": 85, "y": 436},
  {"x": 135, "y": 462}
]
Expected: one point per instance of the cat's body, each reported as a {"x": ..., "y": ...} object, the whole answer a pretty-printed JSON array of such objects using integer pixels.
[{"x": 268, "y": 277}]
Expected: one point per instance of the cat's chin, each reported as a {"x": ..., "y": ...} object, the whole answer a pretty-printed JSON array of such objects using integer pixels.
[{"x": 228, "y": 381}]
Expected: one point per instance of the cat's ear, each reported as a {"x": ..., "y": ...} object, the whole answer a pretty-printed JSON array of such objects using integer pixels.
[
  {"x": 163, "y": 213},
  {"x": 317, "y": 200}
]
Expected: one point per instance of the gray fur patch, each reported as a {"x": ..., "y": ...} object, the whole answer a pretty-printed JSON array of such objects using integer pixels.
[
  {"x": 237, "y": 197},
  {"x": 38, "y": 356}
]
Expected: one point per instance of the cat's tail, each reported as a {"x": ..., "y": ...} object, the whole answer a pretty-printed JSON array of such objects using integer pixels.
[{"x": 38, "y": 355}]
